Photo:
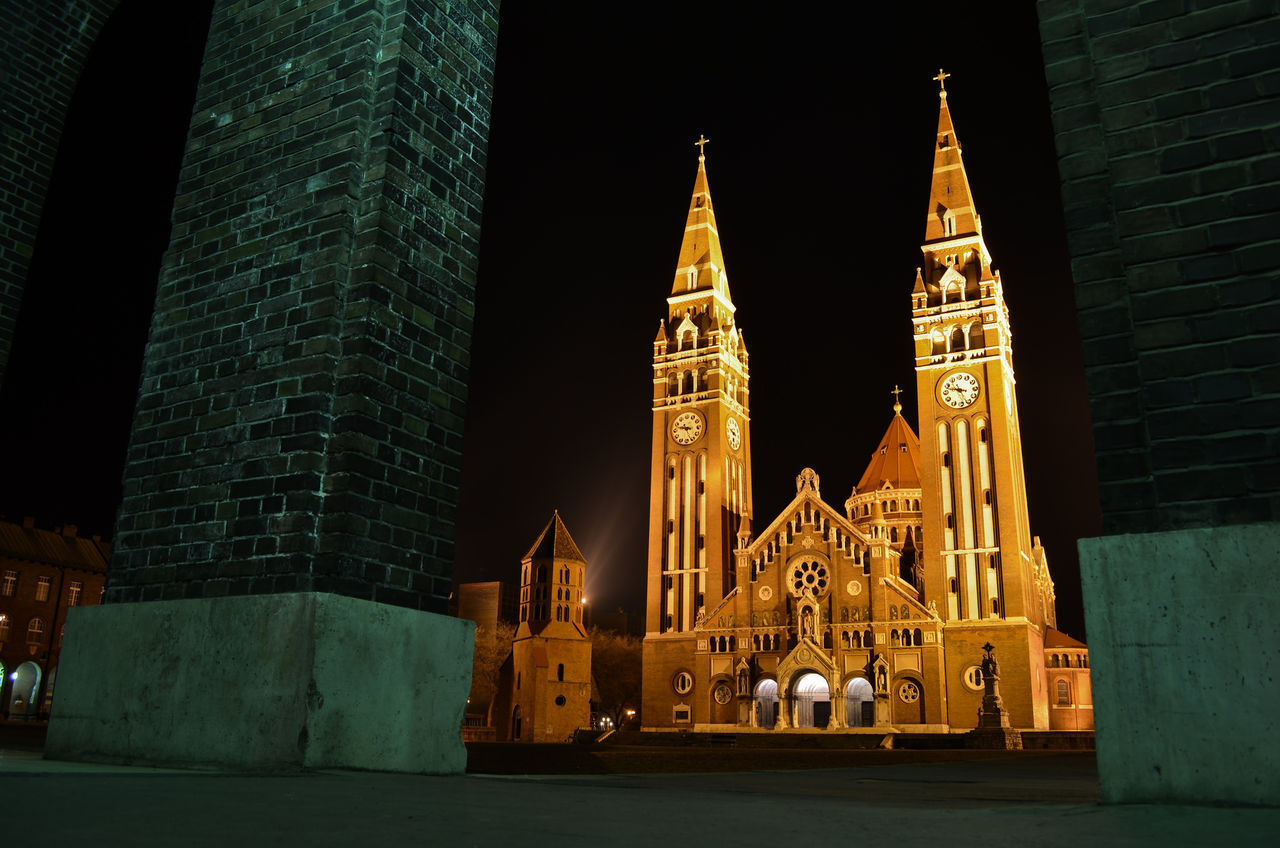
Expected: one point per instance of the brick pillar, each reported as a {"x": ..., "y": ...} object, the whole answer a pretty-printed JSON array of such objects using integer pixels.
[
  {"x": 43, "y": 46},
  {"x": 300, "y": 415},
  {"x": 1168, "y": 133}
]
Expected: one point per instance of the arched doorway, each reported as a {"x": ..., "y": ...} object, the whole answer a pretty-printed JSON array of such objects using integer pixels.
[
  {"x": 859, "y": 702},
  {"x": 766, "y": 706},
  {"x": 812, "y": 696},
  {"x": 908, "y": 701},
  {"x": 26, "y": 683}
]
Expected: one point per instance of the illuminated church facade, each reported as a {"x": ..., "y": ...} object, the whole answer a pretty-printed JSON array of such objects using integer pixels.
[{"x": 870, "y": 611}]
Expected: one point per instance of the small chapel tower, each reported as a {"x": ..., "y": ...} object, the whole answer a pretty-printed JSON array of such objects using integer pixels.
[
  {"x": 548, "y": 685},
  {"x": 980, "y": 567}
]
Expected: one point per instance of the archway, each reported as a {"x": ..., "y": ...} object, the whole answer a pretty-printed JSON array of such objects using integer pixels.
[
  {"x": 859, "y": 702},
  {"x": 766, "y": 704},
  {"x": 26, "y": 683},
  {"x": 812, "y": 697}
]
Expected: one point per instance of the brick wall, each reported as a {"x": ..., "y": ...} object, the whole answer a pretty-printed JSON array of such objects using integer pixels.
[
  {"x": 1167, "y": 118},
  {"x": 43, "y": 46},
  {"x": 300, "y": 411}
]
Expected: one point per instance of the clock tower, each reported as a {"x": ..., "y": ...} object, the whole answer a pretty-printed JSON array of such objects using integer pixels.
[
  {"x": 700, "y": 469},
  {"x": 982, "y": 569}
]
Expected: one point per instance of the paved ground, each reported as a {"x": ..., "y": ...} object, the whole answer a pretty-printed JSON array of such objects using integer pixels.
[{"x": 1041, "y": 799}]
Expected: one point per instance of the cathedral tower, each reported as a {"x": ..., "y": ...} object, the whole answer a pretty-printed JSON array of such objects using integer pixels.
[
  {"x": 700, "y": 466},
  {"x": 981, "y": 569}
]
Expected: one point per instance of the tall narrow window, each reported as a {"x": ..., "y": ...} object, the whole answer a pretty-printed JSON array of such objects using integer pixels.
[
  {"x": 1064, "y": 693},
  {"x": 73, "y": 593},
  {"x": 35, "y": 631},
  {"x": 42, "y": 588},
  {"x": 9, "y": 584},
  {"x": 560, "y": 672},
  {"x": 4, "y": 627}
]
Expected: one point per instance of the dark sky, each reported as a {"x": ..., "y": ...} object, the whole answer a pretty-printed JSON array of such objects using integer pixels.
[{"x": 821, "y": 131}]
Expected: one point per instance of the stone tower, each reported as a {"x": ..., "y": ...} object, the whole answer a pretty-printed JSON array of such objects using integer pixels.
[
  {"x": 980, "y": 566},
  {"x": 549, "y": 683},
  {"x": 700, "y": 468}
]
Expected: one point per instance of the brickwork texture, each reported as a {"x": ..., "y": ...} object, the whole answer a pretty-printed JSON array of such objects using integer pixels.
[
  {"x": 300, "y": 413},
  {"x": 43, "y": 47},
  {"x": 1167, "y": 117}
]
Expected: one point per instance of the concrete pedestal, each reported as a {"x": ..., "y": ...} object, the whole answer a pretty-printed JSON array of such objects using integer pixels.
[
  {"x": 272, "y": 682},
  {"x": 1184, "y": 645}
]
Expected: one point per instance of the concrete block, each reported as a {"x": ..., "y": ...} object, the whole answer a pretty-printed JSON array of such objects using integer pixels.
[
  {"x": 264, "y": 682},
  {"x": 1184, "y": 643}
]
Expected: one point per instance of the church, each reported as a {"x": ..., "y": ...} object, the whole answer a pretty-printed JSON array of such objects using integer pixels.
[{"x": 871, "y": 610}]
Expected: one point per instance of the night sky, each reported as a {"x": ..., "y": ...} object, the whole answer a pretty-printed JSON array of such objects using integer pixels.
[{"x": 821, "y": 130}]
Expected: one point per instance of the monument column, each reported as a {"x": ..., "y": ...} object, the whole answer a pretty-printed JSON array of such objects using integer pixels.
[{"x": 285, "y": 539}]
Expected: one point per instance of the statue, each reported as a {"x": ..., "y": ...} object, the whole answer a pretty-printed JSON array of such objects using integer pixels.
[
  {"x": 701, "y": 617},
  {"x": 806, "y": 623},
  {"x": 990, "y": 670}
]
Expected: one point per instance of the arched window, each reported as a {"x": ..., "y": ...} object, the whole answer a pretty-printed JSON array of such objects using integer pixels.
[
  {"x": 919, "y": 637},
  {"x": 895, "y": 639},
  {"x": 844, "y": 639},
  {"x": 4, "y": 627},
  {"x": 1064, "y": 693},
  {"x": 702, "y": 380},
  {"x": 857, "y": 638},
  {"x": 906, "y": 638},
  {"x": 957, "y": 339},
  {"x": 893, "y": 534},
  {"x": 542, "y": 574},
  {"x": 948, "y": 223},
  {"x": 733, "y": 644},
  {"x": 951, "y": 521},
  {"x": 893, "y": 506},
  {"x": 946, "y": 459},
  {"x": 35, "y": 631},
  {"x": 939, "y": 343}
]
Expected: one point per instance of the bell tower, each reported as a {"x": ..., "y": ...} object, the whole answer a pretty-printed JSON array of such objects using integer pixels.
[
  {"x": 700, "y": 472},
  {"x": 981, "y": 569}
]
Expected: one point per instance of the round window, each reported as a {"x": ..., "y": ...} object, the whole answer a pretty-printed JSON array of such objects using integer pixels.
[
  {"x": 811, "y": 575},
  {"x": 560, "y": 700},
  {"x": 683, "y": 683},
  {"x": 973, "y": 678},
  {"x": 909, "y": 692},
  {"x": 723, "y": 693}
]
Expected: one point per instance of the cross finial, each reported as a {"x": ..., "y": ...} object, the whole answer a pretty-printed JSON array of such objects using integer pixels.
[
  {"x": 897, "y": 406},
  {"x": 942, "y": 82},
  {"x": 702, "y": 143}
]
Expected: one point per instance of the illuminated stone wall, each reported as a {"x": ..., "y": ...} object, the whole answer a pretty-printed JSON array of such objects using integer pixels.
[
  {"x": 43, "y": 47},
  {"x": 300, "y": 414},
  {"x": 1168, "y": 132}
]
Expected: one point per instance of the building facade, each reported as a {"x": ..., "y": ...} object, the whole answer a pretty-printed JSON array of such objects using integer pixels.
[
  {"x": 873, "y": 616},
  {"x": 43, "y": 574}
]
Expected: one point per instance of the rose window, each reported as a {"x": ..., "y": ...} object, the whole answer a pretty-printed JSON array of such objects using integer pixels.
[
  {"x": 909, "y": 692},
  {"x": 809, "y": 574}
]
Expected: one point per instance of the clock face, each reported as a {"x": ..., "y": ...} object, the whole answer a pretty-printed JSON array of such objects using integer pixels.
[
  {"x": 732, "y": 432},
  {"x": 687, "y": 428},
  {"x": 959, "y": 390}
]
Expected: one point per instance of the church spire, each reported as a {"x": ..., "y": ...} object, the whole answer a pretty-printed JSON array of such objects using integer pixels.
[
  {"x": 701, "y": 263},
  {"x": 951, "y": 212}
]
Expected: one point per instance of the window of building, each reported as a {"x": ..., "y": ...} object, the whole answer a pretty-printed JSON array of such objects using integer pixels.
[
  {"x": 35, "y": 631},
  {"x": 9, "y": 584},
  {"x": 42, "y": 588},
  {"x": 560, "y": 672},
  {"x": 4, "y": 627},
  {"x": 1064, "y": 693}
]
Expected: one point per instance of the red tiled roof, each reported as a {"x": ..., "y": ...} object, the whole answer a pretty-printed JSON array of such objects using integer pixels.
[{"x": 45, "y": 546}]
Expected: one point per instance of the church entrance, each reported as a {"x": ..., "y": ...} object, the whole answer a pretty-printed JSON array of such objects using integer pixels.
[
  {"x": 813, "y": 701},
  {"x": 766, "y": 706},
  {"x": 859, "y": 701},
  {"x": 26, "y": 683}
]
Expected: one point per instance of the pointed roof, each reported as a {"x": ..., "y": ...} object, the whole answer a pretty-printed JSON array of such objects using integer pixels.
[
  {"x": 896, "y": 459},
  {"x": 949, "y": 192},
  {"x": 700, "y": 248},
  {"x": 1057, "y": 639},
  {"x": 555, "y": 542}
]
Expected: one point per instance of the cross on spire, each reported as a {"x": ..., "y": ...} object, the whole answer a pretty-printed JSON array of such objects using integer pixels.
[
  {"x": 897, "y": 405},
  {"x": 942, "y": 82},
  {"x": 702, "y": 143}
]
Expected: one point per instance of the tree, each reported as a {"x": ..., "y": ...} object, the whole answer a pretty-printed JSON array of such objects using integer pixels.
[
  {"x": 493, "y": 646},
  {"x": 615, "y": 665}
]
